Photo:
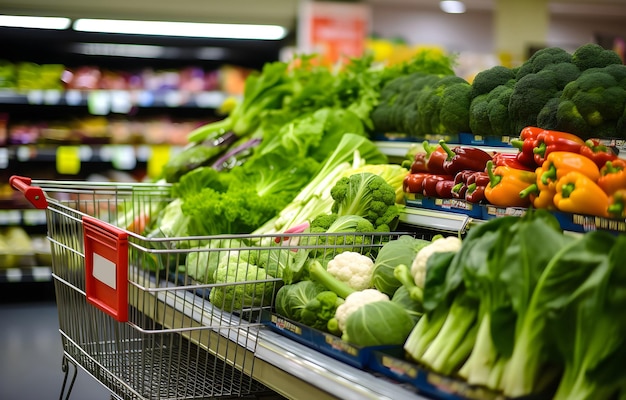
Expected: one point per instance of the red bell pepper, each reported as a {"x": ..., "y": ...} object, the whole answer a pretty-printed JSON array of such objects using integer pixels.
[
  {"x": 429, "y": 185},
  {"x": 419, "y": 163},
  {"x": 597, "y": 152},
  {"x": 413, "y": 183},
  {"x": 443, "y": 189},
  {"x": 550, "y": 141},
  {"x": 475, "y": 193},
  {"x": 462, "y": 158},
  {"x": 435, "y": 157},
  {"x": 510, "y": 160},
  {"x": 525, "y": 144}
]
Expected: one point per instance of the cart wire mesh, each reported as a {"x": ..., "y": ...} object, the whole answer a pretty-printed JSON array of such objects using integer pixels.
[{"x": 186, "y": 336}]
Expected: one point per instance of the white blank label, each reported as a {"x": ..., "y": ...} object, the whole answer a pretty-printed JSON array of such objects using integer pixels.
[{"x": 104, "y": 270}]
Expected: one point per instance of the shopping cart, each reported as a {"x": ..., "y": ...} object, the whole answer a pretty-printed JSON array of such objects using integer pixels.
[{"x": 132, "y": 316}]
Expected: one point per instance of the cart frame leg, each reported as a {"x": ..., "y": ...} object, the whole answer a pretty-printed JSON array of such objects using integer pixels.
[{"x": 65, "y": 367}]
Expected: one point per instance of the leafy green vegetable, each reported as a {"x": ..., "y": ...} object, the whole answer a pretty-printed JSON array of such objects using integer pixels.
[
  {"x": 395, "y": 252},
  {"x": 378, "y": 323},
  {"x": 564, "y": 275},
  {"x": 315, "y": 199},
  {"x": 307, "y": 302},
  {"x": 263, "y": 91},
  {"x": 590, "y": 333},
  {"x": 403, "y": 298},
  {"x": 367, "y": 195}
]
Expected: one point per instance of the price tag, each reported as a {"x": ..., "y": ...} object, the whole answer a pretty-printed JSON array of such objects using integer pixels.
[
  {"x": 73, "y": 97},
  {"x": 34, "y": 217},
  {"x": 124, "y": 158},
  {"x": 68, "y": 160},
  {"x": 4, "y": 158},
  {"x": 99, "y": 102},
  {"x": 52, "y": 97},
  {"x": 10, "y": 217},
  {"x": 159, "y": 157},
  {"x": 121, "y": 102}
]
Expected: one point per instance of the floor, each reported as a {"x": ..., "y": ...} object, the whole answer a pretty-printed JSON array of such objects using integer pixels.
[{"x": 31, "y": 351}]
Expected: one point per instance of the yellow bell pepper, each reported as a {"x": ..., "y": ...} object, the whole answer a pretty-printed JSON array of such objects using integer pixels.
[
  {"x": 577, "y": 193},
  {"x": 505, "y": 185}
]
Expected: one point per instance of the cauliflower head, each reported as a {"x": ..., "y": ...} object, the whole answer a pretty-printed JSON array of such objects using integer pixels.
[
  {"x": 354, "y": 301},
  {"x": 418, "y": 267},
  {"x": 355, "y": 269}
]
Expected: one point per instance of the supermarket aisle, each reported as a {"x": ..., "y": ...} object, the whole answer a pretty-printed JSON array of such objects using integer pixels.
[{"x": 31, "y": 352}]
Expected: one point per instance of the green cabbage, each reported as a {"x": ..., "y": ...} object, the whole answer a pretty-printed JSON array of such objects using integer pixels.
[
  {"x": 377, "y": 324},
  {"x": 393, "y": 253}
]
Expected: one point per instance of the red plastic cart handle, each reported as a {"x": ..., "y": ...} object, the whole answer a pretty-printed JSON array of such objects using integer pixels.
[{"x": 33, "y": 194}]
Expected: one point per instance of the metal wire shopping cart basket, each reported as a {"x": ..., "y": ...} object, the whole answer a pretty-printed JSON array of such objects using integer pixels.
[{"x": 132, "y": 316}]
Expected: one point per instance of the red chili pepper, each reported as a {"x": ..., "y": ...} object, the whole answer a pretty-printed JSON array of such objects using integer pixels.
[
  {"x": 462, "y": 158},
  {"x": 510, "y": 160},
  {"x": 444, "y": 189},
  {"x": 435, "y": 157},
  {"x": 413, "y": 183},
  {"x": 429, "y": 185},
  {"x": 549, "y": 141},
  {"x": 597, "y": 152}
]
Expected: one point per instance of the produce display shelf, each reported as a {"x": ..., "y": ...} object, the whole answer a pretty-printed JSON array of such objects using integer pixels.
[
  {"x": 26, "y": 274},
  {"x": 115, "y": 101},
  {"x": 287, "y": 367}
]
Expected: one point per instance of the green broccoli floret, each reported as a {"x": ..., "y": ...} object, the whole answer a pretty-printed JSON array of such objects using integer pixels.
[
  {"x": 411, "y": 117},
  {"x": 487, "y": 80},
  {"x": 243, "y": 292},
  {"x": 430, "y": 103},
  {"x": 479, "y": 115},
  {"x": 367, "y": 195},
  {"x": 498, "y": 111},
  {"x": 319, "y": 310},
  {"x": 322, "y": 222},
  {"x": 592, "y": 55},
  {"x": 530, "y": 95},
  {"x": 455, "y": 104},
  {"x": 350, "y": 232},
  {"x": 593, "y": 104},
  {"x": 547, "y": 117},
  {"x": 543, "y": 58},
  {"x": 391, "y": 93}
]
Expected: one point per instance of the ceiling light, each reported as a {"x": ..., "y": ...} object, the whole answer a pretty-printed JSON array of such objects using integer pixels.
[
  {"x": 452, "y": 7},
  {"x": 187, "y": 29},
  {"x": 119, "y": 50},
  {"x": 22, "y": 21}
]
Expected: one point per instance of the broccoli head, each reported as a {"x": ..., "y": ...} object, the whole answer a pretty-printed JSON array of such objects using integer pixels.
[
  {"x": 593, "y": 104},
  {"x": 319, "y": 310},
  {"x": 487, "y": 80},
  {"x": 246, "y": 286},
  {"x": 455, "y": 105},
  {"x": 543, "y": 58},
  {"x": 345, "y": 232},
  {"x": 307, "y": 302},
  {"x": 479, "y": 115},
  {"x": 592, "y": 55},
  {"x": 429, "y": 106},
  {"x": 529, "y": 97},
  {"x": 498, "y": 111},
  {"x": 367, "y": 195}
]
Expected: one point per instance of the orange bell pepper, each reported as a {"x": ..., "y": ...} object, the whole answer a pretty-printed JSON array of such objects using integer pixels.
[
  {"x": 505, "y": 185},
  {"x": 560, "y": 163},
  {"x": 617, "y": 204},
  {"x": 613, "y": 176},
  {"x": 541, "y": 195},
  {"x": 577, "y": 193}
]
